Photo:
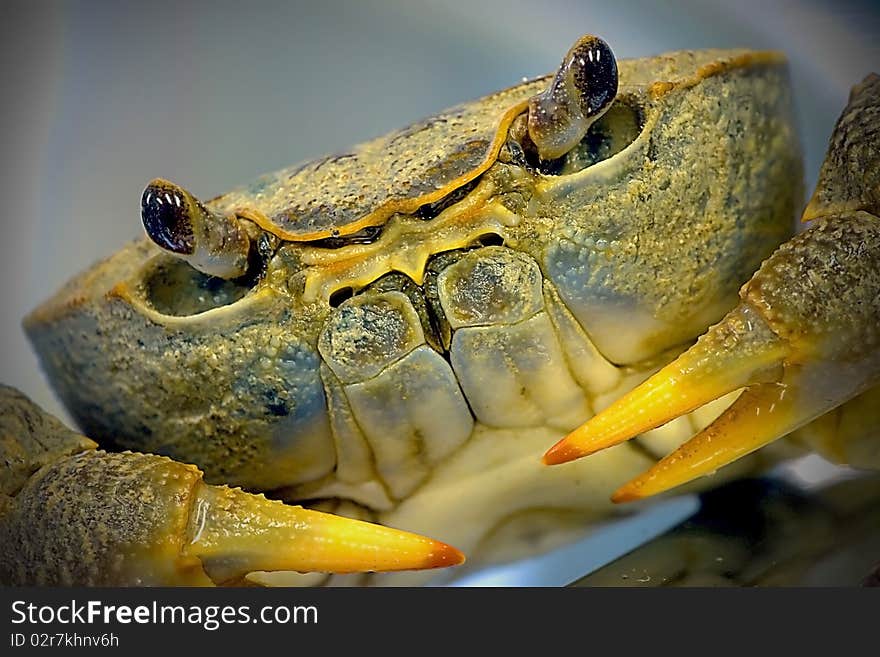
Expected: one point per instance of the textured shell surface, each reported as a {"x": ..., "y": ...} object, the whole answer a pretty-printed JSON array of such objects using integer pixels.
[{"x": 342, "y": 193}]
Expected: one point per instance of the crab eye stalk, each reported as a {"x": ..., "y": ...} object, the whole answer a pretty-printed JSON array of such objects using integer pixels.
[
  {"x": 583, "y": 89},
  {"x": 178, "y": 223}
]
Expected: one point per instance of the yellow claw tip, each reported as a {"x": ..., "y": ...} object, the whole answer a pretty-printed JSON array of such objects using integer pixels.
[{"x": 587, "y": 439}]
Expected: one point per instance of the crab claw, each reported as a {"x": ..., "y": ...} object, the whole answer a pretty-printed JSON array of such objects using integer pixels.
[
  {"x": 804, "y": 339},
  {"x": 850, "y": 176},
  {"x": 759, "y": 416},
  {"x": 178, "y": 223},
  {"x": 738, "y": 352},
  {"x": 74, "y": 515},
  {"x": 236, "y": 533}
]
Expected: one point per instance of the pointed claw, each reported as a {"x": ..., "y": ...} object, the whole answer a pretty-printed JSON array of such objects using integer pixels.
[
  {"x": 739, "y": 351},
  {"x": 235, "y": 533},
  {"x": 74, "y": 515},
  {"x": 759, "y": 416}
]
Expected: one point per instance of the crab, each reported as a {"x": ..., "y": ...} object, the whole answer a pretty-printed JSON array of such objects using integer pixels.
[{"x": 401, "y": 331}]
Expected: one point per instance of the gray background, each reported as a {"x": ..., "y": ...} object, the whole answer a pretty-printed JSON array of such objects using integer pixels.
[{"x": 100, "y": 97}]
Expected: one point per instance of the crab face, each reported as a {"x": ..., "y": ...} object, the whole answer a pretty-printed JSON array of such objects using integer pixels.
[{"x": 409, "y": 325}]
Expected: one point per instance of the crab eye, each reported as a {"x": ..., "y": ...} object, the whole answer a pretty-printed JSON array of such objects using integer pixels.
[
  {"x": 177, "y": 222},
  {"x": 582, "y": 90},
  {"x": 594, "y": 72},
  {"x": 166, "y": 216}
]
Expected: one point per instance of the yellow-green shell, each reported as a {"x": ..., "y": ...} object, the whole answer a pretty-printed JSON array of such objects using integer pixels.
[{"x": 341, "y": 194}]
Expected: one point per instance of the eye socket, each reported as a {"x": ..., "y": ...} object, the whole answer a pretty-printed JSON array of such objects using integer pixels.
[
  {"x": 171, "y": 287},
  {"x": 607, "y": 136}
]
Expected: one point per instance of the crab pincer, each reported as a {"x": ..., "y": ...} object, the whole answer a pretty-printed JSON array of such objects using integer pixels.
[
  {"x": 72, "y": 514},
  {"x": 804, "y": 339}
]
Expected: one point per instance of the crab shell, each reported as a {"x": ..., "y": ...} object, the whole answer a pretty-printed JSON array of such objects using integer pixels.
[{"x": 618, "y": 262}]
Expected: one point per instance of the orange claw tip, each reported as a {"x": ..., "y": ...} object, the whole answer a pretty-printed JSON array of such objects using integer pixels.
[
  {"x": 443, "y": 556},
  {"x": 565, "y": 451}
]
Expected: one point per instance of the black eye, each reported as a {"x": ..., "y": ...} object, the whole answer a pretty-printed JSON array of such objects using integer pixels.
[
  {"x": 166, "y": 217},
  {"x": 582, "y": 89},
  {"x": 594, "y": 72}
]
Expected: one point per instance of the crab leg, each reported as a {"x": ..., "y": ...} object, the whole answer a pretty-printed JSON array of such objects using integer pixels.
[
  {"x": 804, "y": 339},
  {"x": 74, "y": 515}
]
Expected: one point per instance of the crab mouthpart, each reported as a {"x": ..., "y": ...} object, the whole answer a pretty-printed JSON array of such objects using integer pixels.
[{"x": 235, "y": 533}]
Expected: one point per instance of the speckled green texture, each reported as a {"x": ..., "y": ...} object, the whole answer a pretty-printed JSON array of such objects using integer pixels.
[
  {"x": 397, "y": 172},
  {"x": 100, "y": 519},
  {"x": 850, "y": 176},
  {"x": 70, "y": 515},
  {"x": 30, "y": 439},
  {"x": 820, "y": 289},
  {"x": 651, "y": 246},
  {"x": 489, "y": 286}
]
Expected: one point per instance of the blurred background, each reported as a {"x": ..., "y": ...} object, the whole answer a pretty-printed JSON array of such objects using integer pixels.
[{"x": 101, "y": 97}]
